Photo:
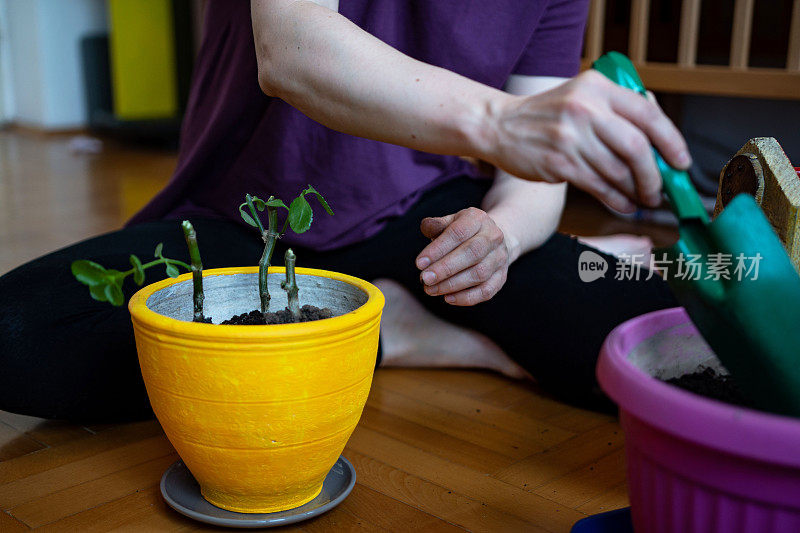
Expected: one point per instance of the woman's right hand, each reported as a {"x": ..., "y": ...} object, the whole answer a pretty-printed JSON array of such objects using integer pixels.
[{"x": 589, "y": 132}]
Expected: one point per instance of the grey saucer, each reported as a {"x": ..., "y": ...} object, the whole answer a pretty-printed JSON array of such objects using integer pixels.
[{"x": 182, "y": 493}]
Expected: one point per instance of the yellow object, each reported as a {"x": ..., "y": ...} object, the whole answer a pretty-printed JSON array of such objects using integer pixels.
[
  {"x": 259, "y": 414},
  {"x": 142, "y": 50}
]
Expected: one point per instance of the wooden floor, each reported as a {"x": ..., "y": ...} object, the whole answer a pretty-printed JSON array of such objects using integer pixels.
[{"x": 434, "y": 451}]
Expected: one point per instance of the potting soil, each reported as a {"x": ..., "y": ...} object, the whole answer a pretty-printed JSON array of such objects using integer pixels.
[
  {"x": 308, "y": 313},
  {"x": 707, "y": 382}
]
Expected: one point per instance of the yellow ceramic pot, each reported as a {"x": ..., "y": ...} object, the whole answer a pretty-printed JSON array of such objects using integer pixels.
[{"x": 259, "y": 414}]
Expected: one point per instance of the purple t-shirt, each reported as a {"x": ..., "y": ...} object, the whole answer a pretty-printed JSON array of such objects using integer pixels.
[{"x": 236, "y": 140}]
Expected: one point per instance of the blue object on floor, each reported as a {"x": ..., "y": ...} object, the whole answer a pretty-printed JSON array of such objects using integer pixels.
[{"x": 618, "y": 521}]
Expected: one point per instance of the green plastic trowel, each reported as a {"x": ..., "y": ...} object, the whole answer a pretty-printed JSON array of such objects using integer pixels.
[{"x": 751, "y": 319}]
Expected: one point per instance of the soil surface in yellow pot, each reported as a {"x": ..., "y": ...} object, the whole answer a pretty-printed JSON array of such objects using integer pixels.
[{"x": 259, "y": 414}]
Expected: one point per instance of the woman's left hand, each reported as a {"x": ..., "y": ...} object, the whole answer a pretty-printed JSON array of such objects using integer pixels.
[{"x": 467, "y": 260}]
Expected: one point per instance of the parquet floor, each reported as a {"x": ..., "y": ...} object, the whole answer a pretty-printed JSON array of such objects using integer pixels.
[{"x": 434, "y": 451}]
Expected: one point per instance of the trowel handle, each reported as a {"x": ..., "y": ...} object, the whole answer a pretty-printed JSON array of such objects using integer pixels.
[{"x": 682, "y": 195}]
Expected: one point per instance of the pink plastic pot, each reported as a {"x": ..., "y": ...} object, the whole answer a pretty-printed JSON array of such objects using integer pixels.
[{"x": 694, "y": 464}]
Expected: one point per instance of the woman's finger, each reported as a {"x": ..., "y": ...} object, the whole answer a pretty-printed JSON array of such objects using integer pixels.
[
  {"x": 467, "y": 254},
  {"x": 608, "y": 165},
  {"x": 432, "y": 227},
  {"x": 481, "y": 293},
  {"x": 472, "y": 276},
  {"x": 465, "y": 224},
  {"x": 650, "y": 118},
  {"x": 633, "y": 147}
]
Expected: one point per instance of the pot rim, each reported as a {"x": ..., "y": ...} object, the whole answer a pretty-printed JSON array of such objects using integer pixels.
[
  {"x": 370, "y": 310},
  {"x": 737, "y": 430}
]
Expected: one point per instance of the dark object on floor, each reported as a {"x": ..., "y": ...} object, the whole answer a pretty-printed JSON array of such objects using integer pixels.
[
  {"x": 709, "y": 383},
  {"x": 617, "y": 521},
  {"x": 284, "y": 316}
]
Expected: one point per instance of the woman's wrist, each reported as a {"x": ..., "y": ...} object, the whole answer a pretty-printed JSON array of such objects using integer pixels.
[
  {"x": 480, "y": 123},
  {"x": 511, "y": 234}
]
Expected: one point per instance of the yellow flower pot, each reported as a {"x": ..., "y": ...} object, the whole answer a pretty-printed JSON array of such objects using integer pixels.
[{"x": 259, "y": 414}]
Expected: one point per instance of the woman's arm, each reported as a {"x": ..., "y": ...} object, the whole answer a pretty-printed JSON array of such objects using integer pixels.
[
  {"x": 343, "y": 77},
  {"x": 527, "y": 212},
  {"x": 588, "y": 131}
]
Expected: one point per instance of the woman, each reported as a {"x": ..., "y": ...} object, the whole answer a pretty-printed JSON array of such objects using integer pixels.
[{"x": 372, "y": 102}]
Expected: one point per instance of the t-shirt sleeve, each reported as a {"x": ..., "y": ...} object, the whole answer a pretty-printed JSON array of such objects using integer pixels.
[{"x": 555, "y": 46}]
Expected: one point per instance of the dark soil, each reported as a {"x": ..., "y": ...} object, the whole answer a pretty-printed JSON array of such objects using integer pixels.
[
  {"x": 709, "y": 383},
  {"x": 255, "y": 318}
]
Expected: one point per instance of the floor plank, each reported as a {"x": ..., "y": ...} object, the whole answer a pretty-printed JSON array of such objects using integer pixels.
[
  {"x": 613, "y": 498},
  {"x": 467, "y": 428},
  {"x": 15, "y": 443},
  {"x": 539, "y": 510},
  {"x": 391, "y": 514},
  {"x": 525, "y": 425},
  {"x": 48, "y": 432},
  {"x": 76, "y": 472},
  {"x": 592, "y": 481},
  {"x": 54, "y": 457},
  {"x": 433, "y": 441},
  {"x": 437, "y": 500},
  {"x": 77, "y": 498},
  {"x": 566, "y": 457},
  {"x": 9, "y": 524}
]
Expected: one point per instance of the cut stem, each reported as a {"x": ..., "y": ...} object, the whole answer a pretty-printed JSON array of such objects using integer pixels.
[
  {"x": 197, "y": 270},
  {"x": 290, "y": 286},
  {"x": 270, "y": 237}
]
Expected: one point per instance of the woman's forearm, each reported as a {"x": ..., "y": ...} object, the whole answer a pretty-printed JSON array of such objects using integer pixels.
[
  {"x": 343, "y": 77},
  {"x": 589, "y": 132}
]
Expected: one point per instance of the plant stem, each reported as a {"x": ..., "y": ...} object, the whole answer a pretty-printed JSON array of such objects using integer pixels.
[
  {"x": 197, "y": 270},
  {"x": 124, "y": 274},
  {"x": 270, "y": 237},
  {"x": 290, "y": 286},
  {"x": 249, "y": 200}
]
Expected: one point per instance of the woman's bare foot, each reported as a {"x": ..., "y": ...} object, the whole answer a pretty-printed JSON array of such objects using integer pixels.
[{"x": 413, "y": 337}]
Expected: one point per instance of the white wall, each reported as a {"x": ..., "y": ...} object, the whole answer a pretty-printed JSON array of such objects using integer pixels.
[
  {"x": 6, "y": 91},
  {"x": 45, "y": 75}
]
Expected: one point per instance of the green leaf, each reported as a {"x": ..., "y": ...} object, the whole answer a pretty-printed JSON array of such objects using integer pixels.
[
  {"x": 274, "y": 202},
  {"x": 98, "y": 292},
  {"x": 138, "y": 270},
  {"x": 321, "y": 200},
  {"x": 159, "y": 247},
  {"x": 172, "y": 271},
  {"x": 300, "y": 215},
  {"x": 259, "y": 203},
  {"x": 113, "y": 293},
  {"x": 88, "y": 272},
  {"x": 247, "y": 218}
]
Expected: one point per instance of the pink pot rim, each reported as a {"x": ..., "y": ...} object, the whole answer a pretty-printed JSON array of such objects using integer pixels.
[{"x": 737, "y": 430}]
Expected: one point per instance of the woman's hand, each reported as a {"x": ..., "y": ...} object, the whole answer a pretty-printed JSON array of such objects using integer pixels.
[
  {"x": 589, "y": 132},
  {"x": 467, "y": 260}
]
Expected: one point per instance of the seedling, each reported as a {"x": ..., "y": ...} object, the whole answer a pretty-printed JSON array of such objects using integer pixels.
[
  {"x": 105, "y": 284},
  {"x": 197, "y": 270},
  {"x": 290, "y": 286},
  {"x": 299, "y": 218}
]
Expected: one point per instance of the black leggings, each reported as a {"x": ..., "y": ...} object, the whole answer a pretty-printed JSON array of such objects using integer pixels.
[{"x": 64, "y": 355}]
